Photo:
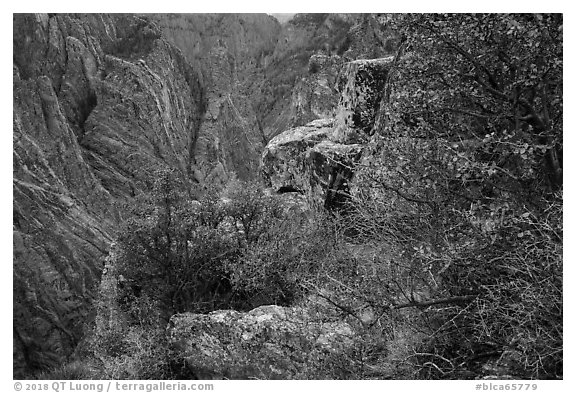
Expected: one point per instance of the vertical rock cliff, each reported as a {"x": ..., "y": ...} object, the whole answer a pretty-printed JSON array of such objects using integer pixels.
[
  {"x": 301, "y": 80},
  {"x": 263, "y": 78},
  {"x": 100, "y": 102},
  {"x": 231, "y": 51}
]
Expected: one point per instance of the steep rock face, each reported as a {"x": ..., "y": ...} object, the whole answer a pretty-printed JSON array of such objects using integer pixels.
[
  {"x": 361, "y": 87},
  {"x": 269, "y": 342},
  {"x": 370, "y": 37},
  {"x": 262, "y": 78},
  {"x": 319, "y": 97},
  {"x": 314, "y": 95},
  {"x": 99, "y": 103},
  {"x": 247, "y": 39},
  {"x": 232, "y": 51},
  {"x": 318, "y": 159},
  {"x": 148, "y": 117},
  {"x": 62, "y": 215},
  {"x": 318, "y": 41},
  {"x": 295, "y": 76}
]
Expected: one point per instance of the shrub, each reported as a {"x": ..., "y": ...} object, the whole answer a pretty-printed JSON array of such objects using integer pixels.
[
  {"x": 273, "y": 267},
  {"x": 172, "y": 250},
  {"x": 486, "y": 273}
]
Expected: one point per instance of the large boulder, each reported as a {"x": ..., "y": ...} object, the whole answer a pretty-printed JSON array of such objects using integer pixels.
[
  {"x": 305, "y": 160},
  {"x": 268, "y": 342}
]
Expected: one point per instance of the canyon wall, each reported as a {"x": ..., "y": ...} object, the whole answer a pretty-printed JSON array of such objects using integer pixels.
[{"x": 100, "y": 103}]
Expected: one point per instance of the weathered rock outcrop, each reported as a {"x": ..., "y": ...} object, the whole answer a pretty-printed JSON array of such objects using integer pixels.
[
  {"x": 262, "y": 78},
  {"x": 370, "y": 37},
  {"x": 303, "y": 67},
  {"x": 100, "y": 102},
  {"x": 318, "y": 159},
  {"x": 304, "y": 159},
  {"x": 306, "y": 41},
  {"x": 314, "y": 95},
  {"x": 268, "y": 342},
  {"x": 361, "y": 88}
]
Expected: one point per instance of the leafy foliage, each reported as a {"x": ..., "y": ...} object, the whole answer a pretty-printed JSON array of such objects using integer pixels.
[
  {"x": 465, "y": 179},
  {"x": 490, "y": 84},
  {"x": 177, "y": 251}
]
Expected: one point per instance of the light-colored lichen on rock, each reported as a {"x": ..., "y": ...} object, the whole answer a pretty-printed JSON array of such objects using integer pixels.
[
  {"x": 266, "y": 342},
  {"x": 304, "y": 159},
  {"x": 361, "y": 90},
  {"x": 318, "y": 159}
]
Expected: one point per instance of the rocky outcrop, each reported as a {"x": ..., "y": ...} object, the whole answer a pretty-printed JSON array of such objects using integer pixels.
[
  {"x": 268, "y": 342},
  {"x": 318, "y": 159},
  {"x": 300, "y": 78},
  {"x": 320, "y": 96},
  {"x": 361, "y": 88},
  {"x": 370, "y": 37},
  {"x": 305, "y": 160},
  {"x": 100, "y": 103},
  {"x": 314, "y": 95}
]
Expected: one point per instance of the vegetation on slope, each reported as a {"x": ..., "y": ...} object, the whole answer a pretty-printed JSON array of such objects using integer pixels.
[{"x": 466, "y": 177}]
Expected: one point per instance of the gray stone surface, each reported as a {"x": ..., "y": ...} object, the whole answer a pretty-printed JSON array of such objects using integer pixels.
[
  {"x": 318, "y": 159},
  {"x": 268, "y": 342}
]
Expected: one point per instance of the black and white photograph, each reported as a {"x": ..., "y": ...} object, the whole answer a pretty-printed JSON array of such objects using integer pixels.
[{"x": 287, "y": 196}]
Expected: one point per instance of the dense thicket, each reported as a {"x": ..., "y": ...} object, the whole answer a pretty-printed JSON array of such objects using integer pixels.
[{"x": 465, "y": 179}]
